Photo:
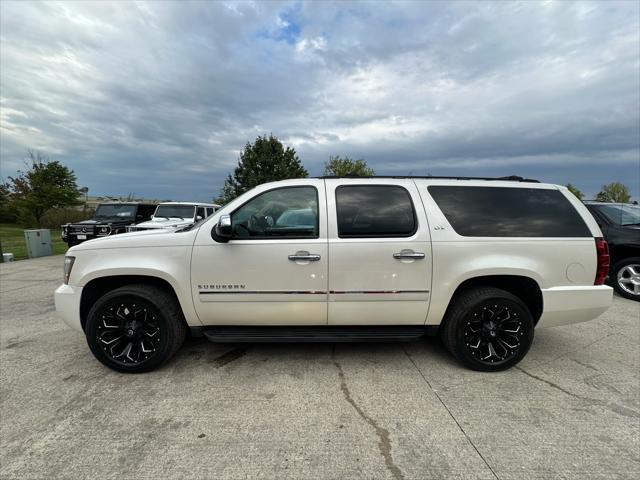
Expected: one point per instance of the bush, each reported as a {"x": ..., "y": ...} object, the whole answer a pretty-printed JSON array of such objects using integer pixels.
[
  {"x": 59, "y": 216},
  {"x": 7, "y": 214}
]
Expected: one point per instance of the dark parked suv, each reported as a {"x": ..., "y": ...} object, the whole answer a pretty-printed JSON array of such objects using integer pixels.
[
  {"x": 620, "y": 224},
  {"x": 109, "y": 219}
]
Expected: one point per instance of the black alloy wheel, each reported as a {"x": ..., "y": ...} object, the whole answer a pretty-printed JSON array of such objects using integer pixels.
[
  {"x": 135, "y": 328},
  {"x": 487, "y": 329},
  {"x": 129, "y": 332},
  {"x": 493, "y": 333}
]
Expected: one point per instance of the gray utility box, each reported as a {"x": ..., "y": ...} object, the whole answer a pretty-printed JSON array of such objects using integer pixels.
[{"x": 38, "y": 243}]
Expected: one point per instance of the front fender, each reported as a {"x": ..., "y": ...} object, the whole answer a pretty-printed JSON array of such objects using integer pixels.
[{"x": 169, "y": 264}]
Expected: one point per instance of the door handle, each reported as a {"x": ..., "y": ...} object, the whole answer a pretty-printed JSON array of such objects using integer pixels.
[
  {"x": 304, "y": 256},
  {"x": 408, "y": 255}
]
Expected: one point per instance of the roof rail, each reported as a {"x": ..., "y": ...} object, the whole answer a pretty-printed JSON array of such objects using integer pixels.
[{"x": 510, "y": 178}]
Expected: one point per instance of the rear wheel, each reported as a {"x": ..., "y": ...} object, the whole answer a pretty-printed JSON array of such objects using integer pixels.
[
  {"x": 488, "y": 329},
  {"x": 135, "y": 328},
  {"x": 625, "y": 277}
]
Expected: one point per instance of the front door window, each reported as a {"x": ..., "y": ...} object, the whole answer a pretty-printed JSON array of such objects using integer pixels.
[{"x": 290, "y": 212}]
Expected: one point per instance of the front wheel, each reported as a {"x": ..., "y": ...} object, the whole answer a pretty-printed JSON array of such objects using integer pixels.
[
  {"x": 488, "y": 329},
  {"x": 135, "y": 328},
  {"x": 625, "y": 277}
]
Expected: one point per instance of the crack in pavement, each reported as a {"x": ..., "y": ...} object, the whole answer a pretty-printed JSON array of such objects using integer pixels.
[
  {"x": 450, "y": 413},
  {"x": 384, "y": 442},
  {"x": 614, "y": 407}
]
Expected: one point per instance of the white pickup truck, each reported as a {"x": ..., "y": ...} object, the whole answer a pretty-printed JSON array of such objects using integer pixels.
[{"x": 483, "y": 262}]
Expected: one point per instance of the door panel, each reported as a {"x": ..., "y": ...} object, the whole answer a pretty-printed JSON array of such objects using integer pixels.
[
  {"x": 255, "y": 282},
  {"x": 378, "y": 281}
]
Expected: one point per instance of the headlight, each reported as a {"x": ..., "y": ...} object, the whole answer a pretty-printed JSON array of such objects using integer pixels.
[
  {"x": 68, "y": 265},
  {"x": 104, "y": 230}
]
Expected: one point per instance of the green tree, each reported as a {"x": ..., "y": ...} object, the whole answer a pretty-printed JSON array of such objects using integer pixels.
[
  {"x": 45, "y": 185},
  {"x": 614, "y": 192},
  {"x": 343, "y": 166},
  {"x": 7, "y": 210},
  {"x": 575, "y": 191},
  {"x": 266, "y": 160}
]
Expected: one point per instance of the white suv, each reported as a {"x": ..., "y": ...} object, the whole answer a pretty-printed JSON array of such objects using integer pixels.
[
  {"x": 176, "y": 215},
  {"x": 481, "y": 261}
]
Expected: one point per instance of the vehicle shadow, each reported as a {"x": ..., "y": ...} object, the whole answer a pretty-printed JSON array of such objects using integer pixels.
[{"x": 200, "y": 351}]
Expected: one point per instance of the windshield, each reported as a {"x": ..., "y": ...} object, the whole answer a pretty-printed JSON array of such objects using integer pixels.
[
  {"x": 175, "y": 211},
  {"x": 621, "y": 214},
  {"x": 115, "y": 211}
]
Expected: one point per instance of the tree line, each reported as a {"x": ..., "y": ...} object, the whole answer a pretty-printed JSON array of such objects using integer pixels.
[
  {"x": 614, "y": 192},
  {"x": 47, "y": 185}
]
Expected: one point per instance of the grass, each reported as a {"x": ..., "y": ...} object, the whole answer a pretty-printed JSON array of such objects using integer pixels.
[{"x": 12, "y": 239}]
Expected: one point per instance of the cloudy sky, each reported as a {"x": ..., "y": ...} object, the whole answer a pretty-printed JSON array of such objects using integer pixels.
[{"x": 158, "y": 98}]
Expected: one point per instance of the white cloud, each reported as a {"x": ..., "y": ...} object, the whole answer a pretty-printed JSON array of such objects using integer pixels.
[{"x": 134, "y": 94}]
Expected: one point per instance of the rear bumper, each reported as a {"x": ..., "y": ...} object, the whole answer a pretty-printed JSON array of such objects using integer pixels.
[
  {"x": 566, "y": 305},
  {"x": 67, "y": 299}
]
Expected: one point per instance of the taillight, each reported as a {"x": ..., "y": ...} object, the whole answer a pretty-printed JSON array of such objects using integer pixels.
[{"x": 602, "y": 270}]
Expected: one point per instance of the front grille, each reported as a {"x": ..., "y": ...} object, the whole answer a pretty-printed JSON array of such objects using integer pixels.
[{"x": 88, "y": 229}]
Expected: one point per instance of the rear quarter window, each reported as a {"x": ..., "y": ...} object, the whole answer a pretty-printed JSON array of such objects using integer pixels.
[{"x": 508, "y": 212}]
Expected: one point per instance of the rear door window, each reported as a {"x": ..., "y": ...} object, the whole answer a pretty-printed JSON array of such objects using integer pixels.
[
  {"x": 508, "y": 212},
  {"x": 374, "y": 211}
]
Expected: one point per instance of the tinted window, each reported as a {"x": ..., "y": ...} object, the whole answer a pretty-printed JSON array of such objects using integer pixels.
[
  {"x": 200, "y": 212},
  {"x": 374, "y": 211},
  {"x": 115, "y": 211},
  {"x": 174, "y": 211},
  {"x": 209, "y": 211},
  {"x": 290, "y": 212},
  {"x": 508, "y": 212}
]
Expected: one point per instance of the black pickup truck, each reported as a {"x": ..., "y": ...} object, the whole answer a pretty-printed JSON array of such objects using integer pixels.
[{"x": 109, "y": 219}]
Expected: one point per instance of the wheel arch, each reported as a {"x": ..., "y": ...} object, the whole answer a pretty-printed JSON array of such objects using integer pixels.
[
  {"x": 97, "y": 287},
  {"x": 525, "y": 288},
  {"x": 620, "y": 253}
]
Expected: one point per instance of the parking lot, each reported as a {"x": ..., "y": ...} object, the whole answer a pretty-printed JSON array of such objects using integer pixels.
[{"x": 571, "y": 409}]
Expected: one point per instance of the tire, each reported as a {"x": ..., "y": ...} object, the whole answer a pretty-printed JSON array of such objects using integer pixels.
[
  {"x": 625, "y": 278},
  {"x": 472, "y": 319},
  {"x": 148, "y": 321}
]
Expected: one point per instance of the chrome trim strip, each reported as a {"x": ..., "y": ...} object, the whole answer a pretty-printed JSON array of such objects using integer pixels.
[
  {"x": 375, "y": 292},
  {"x": 263, "y": 292},
  {"x": 309, "y": 292}
]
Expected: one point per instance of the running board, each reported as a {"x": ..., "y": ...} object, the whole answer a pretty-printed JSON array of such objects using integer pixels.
[{"x": 402, "y": 333}]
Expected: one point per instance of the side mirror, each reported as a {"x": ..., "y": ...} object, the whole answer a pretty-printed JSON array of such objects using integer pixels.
[
  {"x": 223, "y": 228},
  {"x": 152, "y": 217},
  {"x": 198, "y": 218}
]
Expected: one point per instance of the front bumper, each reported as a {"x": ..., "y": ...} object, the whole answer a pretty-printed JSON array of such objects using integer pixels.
[
  {"x": 67, "y": 299},
  {"x": 566, "y": 305}
]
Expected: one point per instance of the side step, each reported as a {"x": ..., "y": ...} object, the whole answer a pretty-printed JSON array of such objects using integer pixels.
[{"x": 312, "y": 334}]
